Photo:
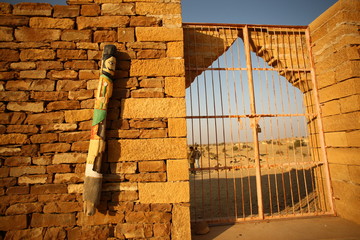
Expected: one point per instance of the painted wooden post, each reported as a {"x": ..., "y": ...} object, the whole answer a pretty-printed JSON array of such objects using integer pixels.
[{"x": 93, "y": 176}]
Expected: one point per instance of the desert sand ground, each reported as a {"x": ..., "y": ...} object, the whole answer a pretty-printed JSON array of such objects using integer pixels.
[{"x": 224, "y": 187}]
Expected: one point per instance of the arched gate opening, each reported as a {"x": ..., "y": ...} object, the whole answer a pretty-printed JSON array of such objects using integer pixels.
[{"x": 252, "y": 114}]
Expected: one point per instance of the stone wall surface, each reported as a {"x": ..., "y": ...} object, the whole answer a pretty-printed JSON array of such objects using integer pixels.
[
  {"x": 335, "y": 45},
  {"x": 49, "y": 70}
]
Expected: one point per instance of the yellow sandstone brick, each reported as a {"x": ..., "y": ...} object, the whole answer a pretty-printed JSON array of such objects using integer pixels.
[
  {"x": 175, "y": 86},
  {"x": 147, "y": 149},
  {"x": 157, "y": 67},
  {"x": 177, "y": 127},
  {"x": 169, "y": 192},
  {"x": 153, "y": 107},
  {"x": 157, "y": 34},
  {"x": 178, "y": 170},
  {"x": 148, "y": 8}
]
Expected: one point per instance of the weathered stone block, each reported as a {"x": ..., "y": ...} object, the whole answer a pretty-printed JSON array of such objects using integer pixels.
[
  {"x": 87, "y": 45},
  {"x": 44, "y": 160},
  {"x": 37, "y": 35},
  {"x": 43, "y": 22},
  {"x": 37, "y": 54},
  {"x": 147, "y": 217},
  {"x": 23, "y": 66},
  {"x": 148, "y": 93},
  {"x": 146, "y": 177},
  {"x": 22, "y": 129},
  {"x": 181, "y": 222},
  {"x": 48, "y": 189},
  {"x": 45, "y": 65},
  {"x": 63, "y": 105},
  {"x": 81, "y": 64},
  {"x": 175, "y": 49},
  {"x": 53, "y": 220},
  {"x": 32, "y": 9},
  {"x": 69, "y": 178},
  {"x": 9, "y": 20},
  {"x": 76, "y": 35},
  {"x": 69, "y": 158},
  {"x": 90, "y": 10},
  {"x": 82, "y": 94},
  {"x": 63, "y": 168},
  {"x": 15, "y": 138},
  {"x": 124, "y": 167},
  {"x": 157, "y": 67},
  {"x": 102, "y": 21},
  {"x": 62, "y": 11},
  {"x": 177, "y": 127},
  {"x": 150, "y": 53},
  {"x": 153, "y": 108},
  {"x": 350, "y": 104},
  {"x": 343, "y": 155},
  {"x": 175, "y": 86},
  {"x": 177, "y": 170},
  {"x": 133, "y": 230},
  {"x": 6, "y": 34},
  {"x": 33, "y": 179},
  {"x": 343, "y": 122},
  {"x": 169, "y": 192},
  {"x": 44, "y": 138},
  {"x": 104, "y": 36},
  {"x": 89, "y": 74},
  {"x": 26, "y": 106},
  {"x": 62, "y": 207},
  {"x": 59, "y": 127},
  {"x": 17, "y": 161},
  {"x": 153, "y": 166},
  {"x": 71, "y": 54},
  {"x": 88, "y": 232},
  {"x": 45, "y": 118},
  {"x": 99, "y": 219},
  {"x": 18, "y": 190},
  {"x": 125, "y": 9},
  {"x": 5, "y": 8},
  {"x": 155, "y": 8},
  {"x": 70, "y": 85},
  {"x": 49, "y": 96},
  {"x": 162, "y": 230},
  {"x": 147, "y": 149},
  {"x": 78, "y": 115},
  {"x": 9, "y": 55},
  {"x": 143, "y": 21},
  {"x": 157, "y": 34},
  {"x": 33, "y": 74},
  {"x": 153, "y": 133},
  {"x": 24, "y": 208},
  {"x": 74, "y": 136},
  {"x": 55, "y": 147},
  {"x": 7, "y": 222}
]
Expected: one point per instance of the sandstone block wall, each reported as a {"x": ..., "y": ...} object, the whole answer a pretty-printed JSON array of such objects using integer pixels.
[
  {"x": 49, "y": 69},
  {"x": 335, "y": 45}
]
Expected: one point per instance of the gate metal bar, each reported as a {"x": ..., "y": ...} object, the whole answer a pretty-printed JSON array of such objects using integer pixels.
[{"x": 240, "y": 179}]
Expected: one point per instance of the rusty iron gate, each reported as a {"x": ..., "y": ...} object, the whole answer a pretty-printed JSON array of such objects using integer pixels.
[{"x": 253, "y": 116}]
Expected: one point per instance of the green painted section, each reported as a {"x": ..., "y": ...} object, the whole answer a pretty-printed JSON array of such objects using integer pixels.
[{"x": 99, "y": 115}]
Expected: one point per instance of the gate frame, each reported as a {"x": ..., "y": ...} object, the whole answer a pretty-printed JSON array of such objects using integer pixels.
[{"x": 253, "y": 119}]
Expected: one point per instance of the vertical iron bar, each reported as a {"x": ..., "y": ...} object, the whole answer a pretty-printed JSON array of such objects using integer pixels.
[{"x": 254, "y": 123}]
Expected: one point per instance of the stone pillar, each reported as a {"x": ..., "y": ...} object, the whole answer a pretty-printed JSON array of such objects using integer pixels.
[{"x": 335, "y": 44}]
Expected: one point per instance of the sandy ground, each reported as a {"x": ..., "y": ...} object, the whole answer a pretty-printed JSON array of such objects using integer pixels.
[
  {"x": 319, "y": 228},
  {"x": 225, "y": 185}
]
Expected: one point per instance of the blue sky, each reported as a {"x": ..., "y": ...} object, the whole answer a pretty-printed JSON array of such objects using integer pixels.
[{"x": 277, "y": 12}]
